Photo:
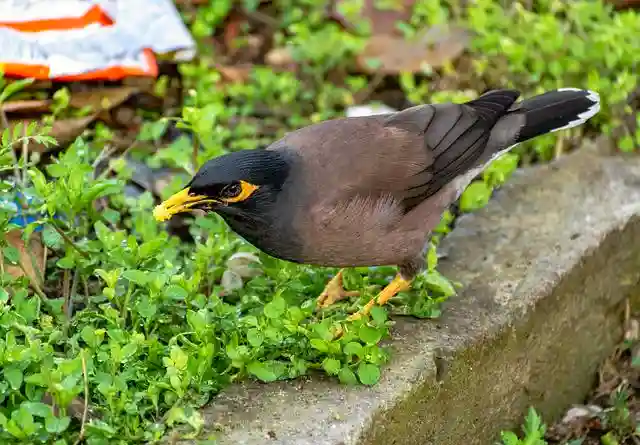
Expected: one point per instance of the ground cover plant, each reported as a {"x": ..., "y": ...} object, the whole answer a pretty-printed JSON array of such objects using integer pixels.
[{"x": 115, "y": 329}]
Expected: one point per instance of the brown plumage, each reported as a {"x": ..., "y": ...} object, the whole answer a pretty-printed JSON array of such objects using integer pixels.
[{"x": 367, "y": 191}]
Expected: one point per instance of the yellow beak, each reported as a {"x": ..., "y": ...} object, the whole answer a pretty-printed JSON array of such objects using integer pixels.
[{"x": 178, "y": 203}]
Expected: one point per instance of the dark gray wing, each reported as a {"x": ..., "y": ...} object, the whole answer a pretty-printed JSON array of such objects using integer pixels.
[{"x": 454, "y": 135}]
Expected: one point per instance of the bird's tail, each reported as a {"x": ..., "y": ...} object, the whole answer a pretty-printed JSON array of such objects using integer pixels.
[{"x": 556, "y": 110}]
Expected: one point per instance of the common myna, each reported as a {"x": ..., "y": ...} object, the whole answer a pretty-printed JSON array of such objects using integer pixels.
[{"x": 368, "y": 191}]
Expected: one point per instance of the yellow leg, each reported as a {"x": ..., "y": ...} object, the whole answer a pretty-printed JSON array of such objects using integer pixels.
[
  {"x": 334, "y": 291},
  {"x": 398, "y": 284}
]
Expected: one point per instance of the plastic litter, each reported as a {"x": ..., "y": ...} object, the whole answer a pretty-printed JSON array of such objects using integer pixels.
[{"x": 90, "y": 39}]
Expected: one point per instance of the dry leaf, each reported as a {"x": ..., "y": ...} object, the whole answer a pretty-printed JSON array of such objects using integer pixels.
[
  {"x": 22, "y": 106},
  {"x": 67, "y": 130},
  {"x": 236, "y": 73},
  {"x": 393, "y": 55},
  {"x": 64, "y": 131},
  {"x": 100, "y": 99},
  {"x": 279, "y": 57},
  {"x": 383, "y": 21},
  {"x": 34, "y": 268}
]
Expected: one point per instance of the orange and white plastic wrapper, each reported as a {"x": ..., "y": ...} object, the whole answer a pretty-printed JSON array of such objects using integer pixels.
[{"x": 69, "y": 40}]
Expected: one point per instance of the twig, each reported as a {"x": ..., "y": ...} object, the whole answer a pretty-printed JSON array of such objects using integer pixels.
[
  {"x": 86, "y": 397},
  {"x": 39, "y": 273},
  {"x": 106, "y": 152},
  {"x": 68, "y": 240},
  {"x": 34, "y": 282},
  {"x": 109, "y": 168},
  {"x": 45, "y": 255},
  {"x": 194, "y": 154},
  {"x": 16, "y": 170},
  {"x": 363, "y": 95},
  {"x": 125, "y": 305},
  {"x": 86, "y": 291},
  {"x": 25, "y": 154},
  {"x": 66, "y": 283},
  {"x": 74, "y": 287}
]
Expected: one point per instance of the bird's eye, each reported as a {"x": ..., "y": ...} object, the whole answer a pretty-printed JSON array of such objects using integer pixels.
[{"x": 231, "y": 191}]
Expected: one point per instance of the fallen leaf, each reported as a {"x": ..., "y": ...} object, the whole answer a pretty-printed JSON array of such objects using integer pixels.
[
  {"x": 100, "y": 99},
  {"x": 34, "y": 268},
  {"x": 280, "y": 57},
  {"x": 393, "y": 55},
  {"x": 64, "y": 131},
  {"x": 22, "y": 106},
  {"x": 382, "y": 20},
  {"x": 237, "y": 73}
]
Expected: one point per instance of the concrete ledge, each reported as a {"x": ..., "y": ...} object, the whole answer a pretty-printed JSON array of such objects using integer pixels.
[{"x": 547, "y": 266}]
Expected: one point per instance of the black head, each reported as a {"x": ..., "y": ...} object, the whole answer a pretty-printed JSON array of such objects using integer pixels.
[{"x": 237, "y": 182}]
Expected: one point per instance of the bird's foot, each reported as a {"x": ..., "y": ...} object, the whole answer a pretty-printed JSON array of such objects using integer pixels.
[
  {"x": 334, "y": 291},
  {"x": 398, "y": 284}
]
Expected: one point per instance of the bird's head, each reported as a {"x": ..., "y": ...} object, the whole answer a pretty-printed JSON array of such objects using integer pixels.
[{"x": 239, "y": 182}]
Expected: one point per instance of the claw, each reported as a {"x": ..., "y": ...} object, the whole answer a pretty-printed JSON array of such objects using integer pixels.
[{"x": 334, "y": 292}]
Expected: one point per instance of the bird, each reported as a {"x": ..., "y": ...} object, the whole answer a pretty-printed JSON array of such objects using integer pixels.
[{"x": 367, "y": 191}]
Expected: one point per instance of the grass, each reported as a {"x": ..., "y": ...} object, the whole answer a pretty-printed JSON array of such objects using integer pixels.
[{"x": 134, "y": 325}]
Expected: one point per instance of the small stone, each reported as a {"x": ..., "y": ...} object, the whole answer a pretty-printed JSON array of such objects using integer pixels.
[{"x": 231, "y": 281}]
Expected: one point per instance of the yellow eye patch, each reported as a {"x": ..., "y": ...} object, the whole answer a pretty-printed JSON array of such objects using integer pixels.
[{"x": 246, "y": 190}]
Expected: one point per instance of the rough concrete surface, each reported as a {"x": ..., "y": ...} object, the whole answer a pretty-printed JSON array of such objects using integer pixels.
[{"x": 546, "y": 269}]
